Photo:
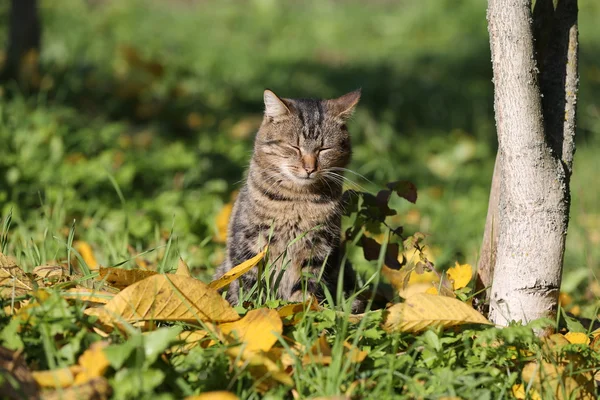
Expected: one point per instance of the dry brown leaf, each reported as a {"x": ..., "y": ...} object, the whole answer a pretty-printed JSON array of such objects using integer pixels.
[
  {"x": 218, "y": 395},
  {"x": 237, "y": 271},
  {"x": 51, "y": 272},
  {"x": 259, "y": 330},
  {"x": 423, "y": 311},
  {"x": 13, "y": 280},
  {"x": 182, "y": 268},
  {"x": 90, "y": 295},
  {"x": 166, "y": 298},
  {"x": 95, "y": 389},
  {"x": 122, "y": 278}
]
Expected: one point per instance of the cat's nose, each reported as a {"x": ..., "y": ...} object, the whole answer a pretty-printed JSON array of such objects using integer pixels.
[
  {"x": 310, "y": 170},
  {"x": 309, "y": 163}
]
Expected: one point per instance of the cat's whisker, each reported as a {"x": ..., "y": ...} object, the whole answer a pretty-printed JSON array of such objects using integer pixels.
[
  {"x": 352, "y": 172},
  {"x": 342, "y": 179}
]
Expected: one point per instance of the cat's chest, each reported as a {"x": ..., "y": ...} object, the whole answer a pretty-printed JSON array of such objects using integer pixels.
[{"x": 298, "y": 228}]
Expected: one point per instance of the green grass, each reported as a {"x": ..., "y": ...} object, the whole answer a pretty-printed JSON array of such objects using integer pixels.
[{"x": 137, "y": 159}]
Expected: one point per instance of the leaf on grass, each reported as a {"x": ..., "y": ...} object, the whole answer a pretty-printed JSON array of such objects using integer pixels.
[
  {"x": 52, "y": 273},
  {"x": 90, "y": 295},
  {"x": 87, "y": 254},
  {"x": 13, "y": 280},
  {"x": 518, "y": 391},
  {"x": 93, "y": 363},
  {"x": 190, "y": 340},
  {"x": 96, "y": 389},
  {"x": 236, "y": 272},
  {"x": 265, "y": 370},
  {"x": 559, "y": 380},
  {"x": 166, "y": 298},
  {"x": 292, "y": 313},
  {"x": 218, "y": 395},
  {"x": 423, "y": 311},
  {"x": 577, "y": 338},
  {"x": 259, "y": 330},
  {"x": 61, "y": 377},
  {"x": 397, "y": 278},
  {"x": 182, "y": 268},
  {"x": 460, "y": 275},
  {"x": 122, "y": 278},
  {"x": 321, "y": 353}
]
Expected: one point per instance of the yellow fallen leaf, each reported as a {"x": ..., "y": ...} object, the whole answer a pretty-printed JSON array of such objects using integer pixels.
[
  {"x": 166, "y": 298},
  {"x": 218, "y": 395},
  {"x": 55, "y": 378},
  {"x": 554, "y": 342},
  {"x": 557, "y": 381},
  {"x": 182, "y": 268},
  {"x": 93, "y": 363},
  {"x": 423, "y": 311},
  {"x": 259, "y": 330},
  {"x": 222, "y": 222},
  {"x": 121, "y": 278},
  {"x": 87, "y": 254},
  {"x": 90, "y": 295},
  {"x": 97, "y": 389},
  {"x": 321, "y": 353},
  {"x": 577, "y": 338},
  {"x": 460, "y": 275},
  {"x": 518, "y": 391},
  {"x": 237, "y": 271},
  {"x": 397, "y": 278},
  {"x": 191, "y": 339},
  {"x": 291, "y": 313},
  {"x": 416, "y": 288},
  {"x": 261, "y": 367},
  {"x": 432, "y": 290}
]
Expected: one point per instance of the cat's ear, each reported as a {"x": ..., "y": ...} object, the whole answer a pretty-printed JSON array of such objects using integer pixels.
[
  {"x": 274, "y": 106},
  {"x": 343, "y": 107}
]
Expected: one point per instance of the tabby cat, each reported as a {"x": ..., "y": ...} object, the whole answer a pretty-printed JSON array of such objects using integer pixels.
[{"x": 292, "y": 199}]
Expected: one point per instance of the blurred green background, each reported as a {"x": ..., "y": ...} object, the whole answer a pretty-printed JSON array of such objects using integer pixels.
[{"x": 142, "y": 121}]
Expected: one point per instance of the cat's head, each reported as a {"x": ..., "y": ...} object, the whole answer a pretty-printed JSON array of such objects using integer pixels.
[{"x": 305, "y": 141}]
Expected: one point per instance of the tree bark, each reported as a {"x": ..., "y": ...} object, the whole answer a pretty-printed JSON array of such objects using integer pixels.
[
  {"x": 487, "y": 253},
  {"x": 23, "y": 42},
  {"x": 535, "y": 140}
]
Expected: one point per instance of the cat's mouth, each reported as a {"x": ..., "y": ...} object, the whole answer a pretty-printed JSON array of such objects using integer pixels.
[{"x": 302, "y": 179}]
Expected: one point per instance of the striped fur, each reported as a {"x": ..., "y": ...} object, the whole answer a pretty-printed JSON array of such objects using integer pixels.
[{"x": 292, "y": 197}]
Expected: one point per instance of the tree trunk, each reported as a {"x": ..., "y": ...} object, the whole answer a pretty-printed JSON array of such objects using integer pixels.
[
  {"x": 23, "y": 43},
  {"x": 487, "y": 253},
  {"x": 536, "y": 146}
]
